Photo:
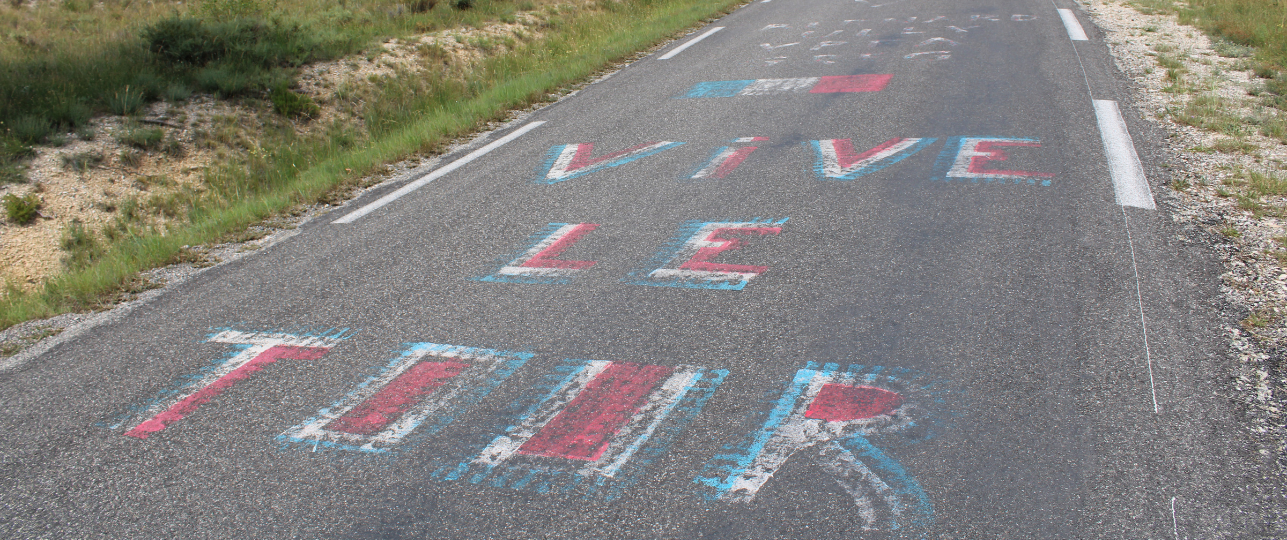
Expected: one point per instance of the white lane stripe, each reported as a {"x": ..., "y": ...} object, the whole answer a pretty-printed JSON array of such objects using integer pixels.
[
  {"x": 1123, "y": 163},
  {"x": 1071, "y": 24},
  {"x": 437, "y": 174},
  {"x": 690, "y": 43}
]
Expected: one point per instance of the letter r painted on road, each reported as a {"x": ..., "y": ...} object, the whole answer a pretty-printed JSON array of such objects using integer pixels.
[
  {"x": 538, "y": 263},
  {"x": 255, "y": 351},
  {"x": 687, "y": 261},
  {"x": 967, "y": 158}
]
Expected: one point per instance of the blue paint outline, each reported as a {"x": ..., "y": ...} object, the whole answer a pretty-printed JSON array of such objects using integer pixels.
[
  {"x": 672, "y": 248},
  {"x": 532, "y": 241},
  {"x": 820, "y": 163},
  {"x": 543, "y": 171},
  {"x": 952, "y": 148}
]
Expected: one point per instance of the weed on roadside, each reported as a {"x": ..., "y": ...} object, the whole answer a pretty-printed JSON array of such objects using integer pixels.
[
  {"x": 80, "y": 161},
  {"x": 21, "y": 210}
]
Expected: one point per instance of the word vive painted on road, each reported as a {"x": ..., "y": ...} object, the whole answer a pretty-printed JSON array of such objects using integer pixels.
[
  {"x": 837, "y": 160},
  {"x": 539, "y": 262},
  {"x": 830, "y": 416},
  {"x": 725, "y": 159},
  {"x": 253, "y": 352},
  {"x": 969, "y": 159},
  {"x": 802, "y": 85},
  {"x": 422, "y": 390},
  {"x": 687, "y": 260},
  {"x": 593, "y": 428},
  {"x": 568, "y": 161}
]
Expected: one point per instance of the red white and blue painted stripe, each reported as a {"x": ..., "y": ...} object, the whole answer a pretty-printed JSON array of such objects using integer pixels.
[
  {"x": 968, "y": 159},
  {"x": 539, "y": 262},
  {"x": 830, "y": 415},
  {"x": 597, "y": 426},
  {"x": 837, "y": 159},
  {"x": 725, "y": 159},
  {"x": 421, "y": 391},
  {"x": 568, "y": 161},
  {"x": 800, "y": 85},
  {"x": 687, "y": 260},
  {"x": 254, "y": 352}
]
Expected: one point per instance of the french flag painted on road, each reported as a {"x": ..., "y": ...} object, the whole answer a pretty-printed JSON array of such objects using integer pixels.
[
  {"x": 429, "y": 385},
  {"x": 539, "y": 262},
  {"x": 598, "y": 424},
  {"x": 801, "y": 85},
  {"x": 254, "y": 351},
  {"x": 568, "y": 161},
  {"x": 687, "y": 261},
  {"x": 837, "y": 160}
]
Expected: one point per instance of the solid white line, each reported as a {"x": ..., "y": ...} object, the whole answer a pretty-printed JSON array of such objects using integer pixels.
[
  {"x": 437, "y": 174},
  {"x": 1123, "y": 163},
  {"x": 1075, "y": 31},
  {"x": 690, "y": 43},
  {"x": 1175, "y": 522}
]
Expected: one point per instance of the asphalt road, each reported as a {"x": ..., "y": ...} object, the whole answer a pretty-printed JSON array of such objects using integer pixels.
[{"x": 915, "y": 310}]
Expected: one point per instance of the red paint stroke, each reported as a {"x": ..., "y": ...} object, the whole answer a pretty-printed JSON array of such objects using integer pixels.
[
  {"x": 546, "y": 258},
  {"x": 842, "y": 402},
  {"x": 845, "y": 151},
  {"x": 402, "y": 393},
  {"x": 733, "y": 161},
  {"x": 585, "y": 427},
  {"x": 997, "y": 154},
  {"x": 851, "y": 83},
  {"x": 582, "y": 157},
  {"x": 700, "y": 261},
  {"x": 189, "y": 404}
]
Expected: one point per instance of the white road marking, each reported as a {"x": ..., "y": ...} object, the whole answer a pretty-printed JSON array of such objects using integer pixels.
[
  {"x": 1075, "y": 31},
  {"x": 350, "y": 218},
  {"x": 1123, "y": 163},
  {"x": 690, "y": 43}
]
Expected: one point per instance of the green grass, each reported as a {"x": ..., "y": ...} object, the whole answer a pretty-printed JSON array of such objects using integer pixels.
[
  {"x": 410, "y": 115},
  {"x": 21, "y": 210}
]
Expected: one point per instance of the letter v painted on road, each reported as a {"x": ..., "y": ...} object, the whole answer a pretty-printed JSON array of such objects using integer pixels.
[{"x": 568, "y": 161}]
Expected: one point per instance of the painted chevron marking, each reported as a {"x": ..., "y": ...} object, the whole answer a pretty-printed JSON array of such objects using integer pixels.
[
  {"x": 800, "y": 85},
  {"x": 837, "y": 160},
  {"x": 255, "y": 352},
  {"x": 539, "y": 262},
  {"x": 687, "y": 261},
  {"x": 429, "y": 385},
  {"x": 568, "y": 161}
]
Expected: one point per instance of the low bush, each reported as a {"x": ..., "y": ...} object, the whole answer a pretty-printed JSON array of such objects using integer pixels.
[
  {"x": 126, "y": 101},
  {"x": 292, "y": 104},
  {"x": 142, "y": 138},
  {"x": 21, "y": 210}
]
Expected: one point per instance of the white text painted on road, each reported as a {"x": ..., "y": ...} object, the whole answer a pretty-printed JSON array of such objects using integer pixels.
[
  {"x": 1123, "y": 163},
  {"x": 436, "y": 174},
  {"x": 1075, "y": 31},
  {"x": 690, "y": 43}
]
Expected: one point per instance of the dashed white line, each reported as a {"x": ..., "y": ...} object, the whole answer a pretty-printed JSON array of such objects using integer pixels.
[
  {"x": 353, "y": 216},
  {"x": 1123, "y": 163},
  {"x": 690, "y": 43},
  {"x": 1075, "y": 32}
]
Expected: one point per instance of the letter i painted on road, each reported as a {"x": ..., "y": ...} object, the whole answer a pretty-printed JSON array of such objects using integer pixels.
[
  {"x": 424, "y": 389},
  {"x": 837, "y": 160},
  {"x": 967, "y": 158},
  {"x": 254, "y": 352},
  {"x": 829, "y": 416},
  {"x": 725, "y": 159},
  {"x": 594, "y": 428},
  {"x": 538, "y": 263},
  {"x": 568, "y": 161},
  {"x": 687, "y": 261}
]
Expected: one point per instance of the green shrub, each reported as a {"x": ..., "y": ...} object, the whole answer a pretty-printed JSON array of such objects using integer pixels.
[
  {"x": 81, "y": 161},
  {"x": 31, "y": 129},
  {"x": 293, "y": 105},
  {"x": 463, "y": 4},
  {"x": 142, "y": 138},
  {"x": 177, "y": 93},
  {"x": 21, "y": 210},
  {"x": 131, "y": 158},
  {"x": 80, "y": 244},
  {"x": 126, "y": 101}
]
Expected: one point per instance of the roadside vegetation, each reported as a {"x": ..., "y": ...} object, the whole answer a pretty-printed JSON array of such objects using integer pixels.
[{"x": 65, "y": 64}]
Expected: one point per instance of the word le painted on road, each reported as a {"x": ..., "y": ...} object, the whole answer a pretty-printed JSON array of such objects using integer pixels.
[
  {"x": 969, "y": 158},
  {"x": 425, "y": 388},
  {"x": 687, "y": 261},
  {"x": 829, "y": 415},
  {"x": 568, "y": 161},
  {"x": 802, "y": 85},
  {"x": 594, "y": 428},
  {"x": 725, "y": 159},
  {"x": 254, "y": 351},
  {"x": 539, "y": 262}
]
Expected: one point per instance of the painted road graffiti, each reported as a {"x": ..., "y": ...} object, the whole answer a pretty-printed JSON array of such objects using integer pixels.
[
  {"x": 837, "y": 159},
  {"x": 831, "y": 416},
  {"x": 539, "y": 262},
  {"x": 903, "y": 38},
  {"x": 801, "y": 85},
  {"x": 725, "y": 159},
  {"x": 969, "y": 158},
  {"x": 593, "y": 429},
  {"x": 687, "y": 261},
  {"x": 568, "y": 161},
  {"x": 253, "y": 352},
  {"x": 424, "y": 389}
]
